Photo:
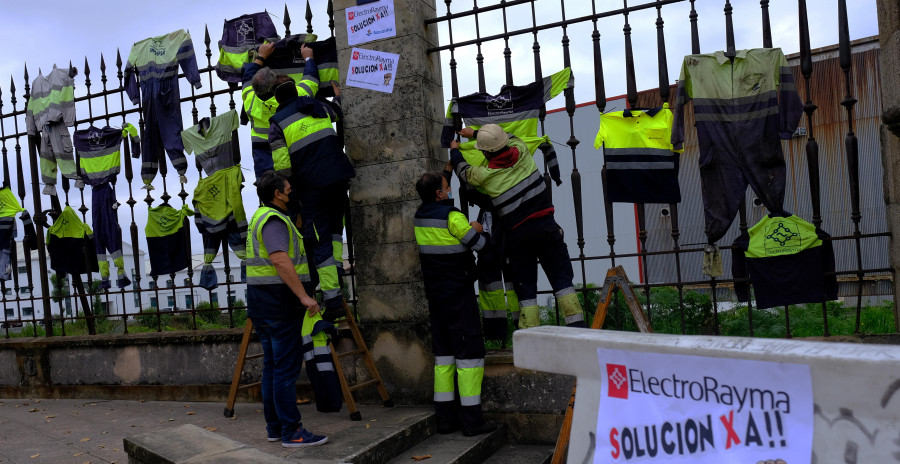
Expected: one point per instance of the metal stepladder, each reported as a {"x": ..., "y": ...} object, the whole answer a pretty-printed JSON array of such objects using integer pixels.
[
  {"x": 347, "y": 390},
  {"x": 615, "y": 277}
]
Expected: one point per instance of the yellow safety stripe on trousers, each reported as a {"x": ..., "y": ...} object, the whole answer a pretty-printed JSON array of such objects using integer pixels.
[
  {"x": 470, "y": 373},
  {"x": 444, "y": 390}
]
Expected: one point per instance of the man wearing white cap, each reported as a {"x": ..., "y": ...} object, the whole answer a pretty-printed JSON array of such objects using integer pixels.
[{"x": 520, "y": 196}]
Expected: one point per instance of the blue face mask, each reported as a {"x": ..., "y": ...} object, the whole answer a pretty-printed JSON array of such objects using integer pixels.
[{"x": 450, "y": 195}]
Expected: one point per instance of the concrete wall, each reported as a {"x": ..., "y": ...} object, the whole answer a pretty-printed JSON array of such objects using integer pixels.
[
  {"x": 134, "y": 366},
  {"x": 198, "y": 366},
  {"x": 889, "y": 40}
]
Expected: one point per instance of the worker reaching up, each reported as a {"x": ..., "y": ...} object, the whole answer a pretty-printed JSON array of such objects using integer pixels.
[{"x": 521, "y": 198}]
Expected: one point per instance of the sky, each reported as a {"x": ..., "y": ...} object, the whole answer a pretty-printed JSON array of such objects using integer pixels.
[{"x": 61, "y": 31}]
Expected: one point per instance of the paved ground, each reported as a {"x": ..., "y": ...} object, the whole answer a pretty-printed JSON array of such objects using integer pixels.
[{"x": 91, "y": 431}]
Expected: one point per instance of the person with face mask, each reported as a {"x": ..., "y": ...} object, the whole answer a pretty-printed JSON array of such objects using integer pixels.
[
  {"x": 521, "y": 199},
  {"x": 446, "y": 240},
  {"x": 307, "y": 150}
]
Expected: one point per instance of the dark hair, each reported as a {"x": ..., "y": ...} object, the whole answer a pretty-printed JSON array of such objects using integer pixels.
[
  {"x": 267, "y": 184},
  {"x": 428, "y": 184},
  {"x": 285, "y": 89}
]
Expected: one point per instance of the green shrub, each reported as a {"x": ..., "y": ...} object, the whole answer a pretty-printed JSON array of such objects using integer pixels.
[{"x": 208, "y": 312}]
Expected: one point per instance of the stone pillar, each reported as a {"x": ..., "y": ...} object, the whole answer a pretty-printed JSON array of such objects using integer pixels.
[
  {"x": 889, "y": 63},
  {"x": 391, "y": 140}
]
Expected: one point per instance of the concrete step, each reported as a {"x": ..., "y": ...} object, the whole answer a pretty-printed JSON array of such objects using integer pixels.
[
  {"x": 454, "y": 448},
  {"x": 376, "y": 439},
  {"x": 522, "y": 454}
]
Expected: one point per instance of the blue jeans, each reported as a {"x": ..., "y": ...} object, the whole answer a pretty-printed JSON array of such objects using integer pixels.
[{"x": 282, "y": 358}]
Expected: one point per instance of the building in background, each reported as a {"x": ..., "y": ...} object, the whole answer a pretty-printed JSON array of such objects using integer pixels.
[{"x": 21, "y": 298}]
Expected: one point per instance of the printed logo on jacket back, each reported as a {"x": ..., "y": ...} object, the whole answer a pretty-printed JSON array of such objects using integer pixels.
[
  {"x": 157, "y": 47},
  {"x": 245, "y": 31},
  {"x": 782, "y": 237},
  {"x": 501, "y": 104},
  {"x": 95, "y": 140}
]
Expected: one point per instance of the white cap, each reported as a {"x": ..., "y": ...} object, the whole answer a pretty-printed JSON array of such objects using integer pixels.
[{"x": 491, "y": 137}]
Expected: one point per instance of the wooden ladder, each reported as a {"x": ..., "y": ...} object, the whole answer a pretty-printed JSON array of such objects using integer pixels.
[
  {"x": 615, "y": 277},
  {"x": 347, "y": 390}
]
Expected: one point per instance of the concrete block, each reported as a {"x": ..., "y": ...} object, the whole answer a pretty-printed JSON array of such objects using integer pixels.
[
  {"x": 530, "y": 429},
  {"x": 390, "y": 182},
  {"x": 412, "y": 98},
  {"x": 386, "y": 223},
  {"x": 134, "y": 365},
  {"x": 388, "y": 263},
  {"x": 522, "y": 454},
  {"x": 392, "y": 302},
  {"x": 456, "y": 448},
  {"x": 191, "y": 444},
  {"x": 404, "y": 357},
  {"x": 9, "y": 372},
  {"x": 853, "y": 382},
  {"x": 507, "y": 389},
  {"x": 373, "y": 441},
  {"x": 388, "y": 140}
]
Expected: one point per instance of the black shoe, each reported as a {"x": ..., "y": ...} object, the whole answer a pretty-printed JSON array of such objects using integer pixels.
[
  {"x": 485, "y": 427},
  {"x": 445, "y": 428}
]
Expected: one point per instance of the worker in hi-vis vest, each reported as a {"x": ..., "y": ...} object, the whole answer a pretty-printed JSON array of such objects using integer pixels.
[
  {"x": 521, "y": 198},
  {"x": 445, "y": 239},
  {"x": 277, "y": 303}
]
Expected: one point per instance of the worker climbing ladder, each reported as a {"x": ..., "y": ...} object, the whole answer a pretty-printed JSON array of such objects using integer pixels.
[
  {"x": 346, "y": 322},
  {"x": 615, "y": 278}
]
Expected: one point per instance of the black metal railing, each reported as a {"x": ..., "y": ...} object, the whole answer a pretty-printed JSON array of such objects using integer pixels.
[
  {"x": 457, "y": 11},
  {"x": 108, "y": 104}
]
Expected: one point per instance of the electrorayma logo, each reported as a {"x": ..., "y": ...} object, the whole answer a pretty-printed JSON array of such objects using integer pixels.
[
  {"x": 618, "y": 381},
  {"x": 355, "y": 55},
  {"x": 351, "y": 15}
]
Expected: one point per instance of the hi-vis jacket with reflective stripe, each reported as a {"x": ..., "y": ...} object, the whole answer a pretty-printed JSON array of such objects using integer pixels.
[
  {"x": 267, "y": 295},
  {"x": 240, "y": 38},
  {"x": 517, "y": 191},
  {"x": 445, "y": 239},
  {"x": 156, "y": 62},
  {"x": 305, "y": 146},
  {"x": 641, "y": 166},
  {"x": 259, "y": 111},
  {"x": 52, "y": 100},
  {"x": 789, "y": 261},
  {"x": 287, "y": 58},
  {"x": 516, "y": 109},
  {"x": 98, "y": 151},
  {"x": 739, "y": 103}
]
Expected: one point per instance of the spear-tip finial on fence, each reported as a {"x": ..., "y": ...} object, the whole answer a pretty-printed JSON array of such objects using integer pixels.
[
  {"x": 287, "y": 21},
  {"x": 309, "y": 16},
  {"x": 119, "y": 74}
]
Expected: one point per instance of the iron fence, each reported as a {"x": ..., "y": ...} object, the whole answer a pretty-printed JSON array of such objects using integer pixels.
[
  {"x": 16, "y": 143},
  {"x": 674, "y": 255},
  {"x": 108, "y": 105}
]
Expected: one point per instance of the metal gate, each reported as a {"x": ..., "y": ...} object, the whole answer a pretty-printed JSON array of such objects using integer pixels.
[{"x": 662, "y": 258}]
